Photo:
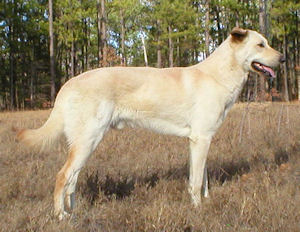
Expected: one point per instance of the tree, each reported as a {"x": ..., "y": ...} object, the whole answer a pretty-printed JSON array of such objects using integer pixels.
[
  {"x": 159, "y": 46},
  {"x": 263, "y": 30},
  {"x": 51, "y": 51},
  {"x": 99, "y": 31},
  {"x": 207, "y": 22},
  {"x": 103, "y": 33},
  {"x": 125, "y": 17},
  {"x": 285, "y": 21}
]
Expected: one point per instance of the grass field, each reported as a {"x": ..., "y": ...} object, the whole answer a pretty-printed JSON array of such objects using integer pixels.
[{"x": 137, "y": 180}]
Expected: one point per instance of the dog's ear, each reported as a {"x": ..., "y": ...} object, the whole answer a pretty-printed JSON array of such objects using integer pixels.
[{"x": 238, "y": 34}]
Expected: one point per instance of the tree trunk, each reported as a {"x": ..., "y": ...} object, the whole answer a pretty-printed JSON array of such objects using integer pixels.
[
  {"x": 104, "y": 39},
  {"x": 3, "y": 84},
  {"x": 171, "y": 49},
  {"x": 207, "y": 37},
  {"x": 262, "y": 28},
  {"x": 82, "y": 59},
  {"x": 262, "y": 16},
  {"x": 217, "y": 11},
  {"x": 145, "y": 51},
  {"x": 255, "y": 87},
  {"x": 159, "y": 60},
  {"x": 67, "y": 68},
  {"x": 99, "y": 17},
  {"x": 83, "y": 46},
  {"x": 51, "y": 48},
  {"x": 12, "y": 62},
  {"x": 237, "y": 23},
  {"x": 12, "y": 79},
  {"x": 159, "y": 64},
  {"x": 285, "y": 81},
  {"x": 87, "y": 45},
  {"x": 123, "y": 56},
  {"x": 73, "y": 58},
  {"x": 267, "y": 20},
  {"x": 298, "y": 80},
  {"x": 178, "y": 53},
  {"x": 32, "y": 77},
  {"x": 297, "y": 52},
  {"x": 185, "y": 54}
]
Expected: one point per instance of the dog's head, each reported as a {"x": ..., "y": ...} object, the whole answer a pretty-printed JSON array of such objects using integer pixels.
[{"x": 253, "y": 52}]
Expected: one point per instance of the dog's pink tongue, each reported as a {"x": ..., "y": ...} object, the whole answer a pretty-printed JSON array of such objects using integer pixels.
[{"x": 271, "y": 71}]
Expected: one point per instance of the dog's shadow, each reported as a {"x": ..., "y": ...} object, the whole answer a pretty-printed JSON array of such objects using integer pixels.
[
  {"x": 115, "y": 189},
  {"x": 123, "y": 187}
]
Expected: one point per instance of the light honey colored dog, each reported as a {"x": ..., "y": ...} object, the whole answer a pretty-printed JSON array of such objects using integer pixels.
[{"x": 189, "y": 102}]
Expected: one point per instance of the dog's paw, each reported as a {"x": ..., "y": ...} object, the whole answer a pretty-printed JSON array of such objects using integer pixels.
[
  {"x": 63, "y": 215},
  {"x": 196, "y": 197}
]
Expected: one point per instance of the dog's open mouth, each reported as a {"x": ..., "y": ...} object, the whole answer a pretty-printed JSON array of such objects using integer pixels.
[{"x": 265, "y": 70}]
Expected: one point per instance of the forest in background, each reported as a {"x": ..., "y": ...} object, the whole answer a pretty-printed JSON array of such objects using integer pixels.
[{"x": 44, "y": 43}]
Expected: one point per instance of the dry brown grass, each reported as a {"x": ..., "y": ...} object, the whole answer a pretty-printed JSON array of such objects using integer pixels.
[{"x": 137, "y": 180}]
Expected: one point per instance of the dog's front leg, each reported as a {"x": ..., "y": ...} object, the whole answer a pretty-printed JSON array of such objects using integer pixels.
[{"x": 199, "y": 147}]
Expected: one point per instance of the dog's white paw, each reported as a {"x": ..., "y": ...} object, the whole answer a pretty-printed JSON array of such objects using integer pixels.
[
  {"x": 63, "y": 215},
  {"x": 196, "y": 196},
  {"x": 206, "y": 194}
]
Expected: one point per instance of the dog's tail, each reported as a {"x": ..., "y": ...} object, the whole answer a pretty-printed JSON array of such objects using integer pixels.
[{"x": 46, "y": 135}]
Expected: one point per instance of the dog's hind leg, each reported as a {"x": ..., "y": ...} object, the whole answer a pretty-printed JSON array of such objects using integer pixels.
[
  {"x": 83, "y": 140},
  {"x": 70, "y": 191},
  {"x": 72, "y": 166}
]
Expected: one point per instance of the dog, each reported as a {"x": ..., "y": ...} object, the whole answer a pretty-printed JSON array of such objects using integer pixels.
[{"x": 189, "y": 102}]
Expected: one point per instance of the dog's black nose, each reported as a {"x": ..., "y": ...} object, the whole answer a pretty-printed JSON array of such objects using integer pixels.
[{"x": 282, "y": 59}]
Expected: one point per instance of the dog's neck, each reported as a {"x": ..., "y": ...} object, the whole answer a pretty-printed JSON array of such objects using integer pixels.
[{"x": 223, "y": 66}]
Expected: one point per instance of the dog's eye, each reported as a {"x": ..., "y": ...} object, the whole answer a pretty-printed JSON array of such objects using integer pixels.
[{"x": 261, "y": 45}]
